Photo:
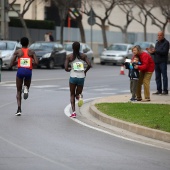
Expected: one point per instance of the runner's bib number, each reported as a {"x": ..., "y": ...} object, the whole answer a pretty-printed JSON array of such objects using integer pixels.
[
  {"x": 25, "y": 62},
  {"x": 78, "y": 66}
]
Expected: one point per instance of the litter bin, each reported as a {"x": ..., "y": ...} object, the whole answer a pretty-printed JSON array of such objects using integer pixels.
[{"x": 0, "y": 68}]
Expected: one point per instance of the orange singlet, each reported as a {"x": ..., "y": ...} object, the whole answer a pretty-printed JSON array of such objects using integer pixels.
[{"x": 25, "y": 61}]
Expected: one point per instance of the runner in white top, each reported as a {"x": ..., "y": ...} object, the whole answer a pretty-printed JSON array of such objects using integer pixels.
[{"x": 77, "y": 74}]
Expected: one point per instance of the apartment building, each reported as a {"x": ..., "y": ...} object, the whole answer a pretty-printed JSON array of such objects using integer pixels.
[{"x": 37, "y": 11}]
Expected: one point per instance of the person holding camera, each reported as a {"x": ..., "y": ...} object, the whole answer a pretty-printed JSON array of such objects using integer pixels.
[
  {"x": 133, "y": 75},
  {"x": 146, "y": 70}
]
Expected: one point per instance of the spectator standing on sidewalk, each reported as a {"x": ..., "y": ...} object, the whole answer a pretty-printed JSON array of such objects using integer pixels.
[
  {"x": 51, "y": 36},
  {"x": 146, "y": 70},
  {"x": 133, "y": 75},
  {"x": 160, "y": 53},
  {"x": 75, "y": 65},
  {"x": 46, "y": 37}
]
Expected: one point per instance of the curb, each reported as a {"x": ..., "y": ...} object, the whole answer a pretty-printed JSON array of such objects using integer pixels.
[{"x": 137, "y": 129}]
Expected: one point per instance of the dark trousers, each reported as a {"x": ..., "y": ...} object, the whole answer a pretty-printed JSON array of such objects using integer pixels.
[
  {"x": 133, "y": 87},
  {"x": 161, "y": 76}
]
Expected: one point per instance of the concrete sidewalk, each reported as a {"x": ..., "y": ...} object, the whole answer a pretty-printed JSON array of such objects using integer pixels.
[{"x": 91, "y": 113}]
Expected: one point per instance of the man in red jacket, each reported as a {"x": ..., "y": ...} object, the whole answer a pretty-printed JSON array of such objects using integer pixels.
[{"x": 146, "y": 70}]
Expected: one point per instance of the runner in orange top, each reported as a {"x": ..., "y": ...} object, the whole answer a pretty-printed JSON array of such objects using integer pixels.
[{"x": 24, "y": 58}]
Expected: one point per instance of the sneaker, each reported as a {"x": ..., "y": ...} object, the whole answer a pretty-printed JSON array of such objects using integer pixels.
[
  {"x": 73, "y": 115},
  {"x": 157, "y": 93},
  {"x": 25, "y": 91},
  {"x": 18, "y": 113},
  {"x": 133, "y": 99},
  {"x": 165, "y": 93},
  {"x": 80, "y": 102},
  {"x": 139, "y": 99}
]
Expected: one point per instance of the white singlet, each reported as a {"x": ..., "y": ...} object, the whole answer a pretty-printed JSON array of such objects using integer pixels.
[{"x": 77, "y": 68}]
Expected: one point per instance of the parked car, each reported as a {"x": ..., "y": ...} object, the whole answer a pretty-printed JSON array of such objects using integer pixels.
[
  {"x": 84, "y": 48},
  {"x": 145, "y": 45},
  {"x": 49, "y": 54},
  {"x": 7, "y": 49},
  {"x": 116, "y": 53}
]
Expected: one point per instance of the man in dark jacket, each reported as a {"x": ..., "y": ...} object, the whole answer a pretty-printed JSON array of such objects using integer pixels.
[{"x": 160, "y": 53}]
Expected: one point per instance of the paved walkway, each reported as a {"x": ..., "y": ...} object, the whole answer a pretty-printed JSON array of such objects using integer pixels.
[{"x": 121, "y": 127}]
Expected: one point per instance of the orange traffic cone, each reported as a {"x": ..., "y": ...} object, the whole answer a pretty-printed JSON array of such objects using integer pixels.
[{"x": 122, "y": 70}]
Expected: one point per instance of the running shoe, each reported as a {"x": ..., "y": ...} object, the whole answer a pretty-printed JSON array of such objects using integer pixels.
[
  {"x": 25, "y": 91},
  {"x": 80, "y": 102},
  {"x": 73, "y": 115},
  {"x": 18, "y": 113}
]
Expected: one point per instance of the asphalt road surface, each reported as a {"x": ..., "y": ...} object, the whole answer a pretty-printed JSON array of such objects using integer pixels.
[{"x": 44, "y": 138}]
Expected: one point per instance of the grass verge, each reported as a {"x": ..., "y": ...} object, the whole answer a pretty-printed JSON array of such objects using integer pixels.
[{"x": 156, "y": 116}]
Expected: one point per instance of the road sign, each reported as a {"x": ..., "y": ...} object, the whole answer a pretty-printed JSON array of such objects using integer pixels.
[{"x": 91, "y": 21}]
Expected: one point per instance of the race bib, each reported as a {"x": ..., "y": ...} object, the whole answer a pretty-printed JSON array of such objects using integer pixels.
[
  {"x": 78, "y": 66},
  {"x": 25, "y": 62}
]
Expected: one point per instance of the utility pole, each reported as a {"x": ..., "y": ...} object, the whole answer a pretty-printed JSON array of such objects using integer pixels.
[{"x": 2, "y": 21}]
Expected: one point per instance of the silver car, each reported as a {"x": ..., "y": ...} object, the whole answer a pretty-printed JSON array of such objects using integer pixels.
[
  {"x": 7, "y": 49},
  {"x": 84, "y": 48},
  {"x": 116, "y": 53}
]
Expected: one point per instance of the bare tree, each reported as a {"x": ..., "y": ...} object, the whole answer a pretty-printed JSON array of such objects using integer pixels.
[
  {"x": 63, "y": 8},
  {"x": 108, "y": 6},
  {"x": 142, "y": 16},
  {"x": 163, "y": 6},
  {"x": 76, "y": 15},
  {"x": 127, "y": 9},
  {"x": 22, "y": 13}
]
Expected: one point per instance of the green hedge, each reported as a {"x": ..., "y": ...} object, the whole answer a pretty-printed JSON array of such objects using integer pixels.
[{"x": 37, "y": 24}]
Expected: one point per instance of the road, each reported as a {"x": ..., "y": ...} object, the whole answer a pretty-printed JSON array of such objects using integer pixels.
[{"x": 44, "y": 138}]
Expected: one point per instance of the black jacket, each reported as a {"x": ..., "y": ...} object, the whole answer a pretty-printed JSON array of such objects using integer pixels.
[
  {"x": 161, "y": 51},
  {"x": 133, "y": 73}
]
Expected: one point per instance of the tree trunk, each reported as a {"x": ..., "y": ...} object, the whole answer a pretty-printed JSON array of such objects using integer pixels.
[
  {"x": 26, "y": 29},
  {"x": 145, "y": 34},
  {"x": 61, "y": 31},
  {"x": 125, "y": 36},
  {"x": 82, "y": 33},
  {"x": 104, "y": 35}
]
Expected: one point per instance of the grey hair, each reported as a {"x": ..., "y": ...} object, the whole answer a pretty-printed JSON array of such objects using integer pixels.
[{"x": 138, "y": 48}]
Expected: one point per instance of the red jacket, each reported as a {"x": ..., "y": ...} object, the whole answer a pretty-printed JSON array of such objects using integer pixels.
[{"x": 147, "y": 63}]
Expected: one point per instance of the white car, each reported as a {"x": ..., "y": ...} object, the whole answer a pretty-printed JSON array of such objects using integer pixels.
[
  {"x": 116, "y": 53},
  {"x": 84, "y": 48},
  {"x": 7, "y": 49}
]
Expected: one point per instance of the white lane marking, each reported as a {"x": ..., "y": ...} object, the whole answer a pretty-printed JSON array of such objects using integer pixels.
[
  {"x": 34, "y": 80},
  {"x": 35, "y": 154},
  {"x": 45, "y": 86},
  {"x": 8, "y": 85},
  {"x": 7, "y": 104},
  {"x": 67, "y": 113},
  {"x": 104, "y": 89}
]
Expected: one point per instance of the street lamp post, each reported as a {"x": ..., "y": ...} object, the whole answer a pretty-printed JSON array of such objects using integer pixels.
[{"x": 91, "y": 22}]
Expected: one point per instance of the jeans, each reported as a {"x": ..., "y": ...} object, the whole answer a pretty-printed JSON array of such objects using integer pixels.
[
  {"x": 161, "y": 73},
  {"x": 133, "y": 87}
]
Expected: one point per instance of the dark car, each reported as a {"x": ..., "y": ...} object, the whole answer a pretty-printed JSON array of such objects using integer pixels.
[{"x": 49, "y": 54}]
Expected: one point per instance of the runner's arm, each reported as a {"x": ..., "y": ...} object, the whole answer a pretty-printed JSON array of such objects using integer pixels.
[
  {"x": 34, "y": 58},
  {"x": 67, "y": 67},
  {"x": 88, "y": 63},
  {"x": 14, "y": 61}
]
